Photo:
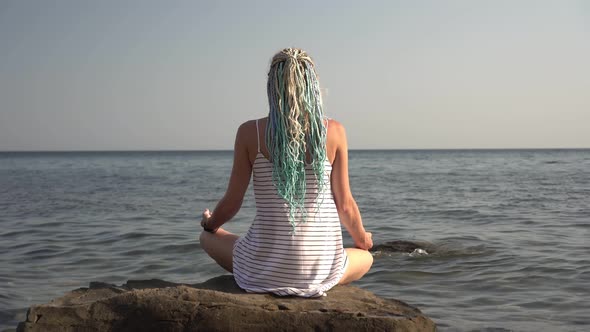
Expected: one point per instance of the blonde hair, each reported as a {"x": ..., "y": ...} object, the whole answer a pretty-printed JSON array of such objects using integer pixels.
[{"x": 295, "y": 126}]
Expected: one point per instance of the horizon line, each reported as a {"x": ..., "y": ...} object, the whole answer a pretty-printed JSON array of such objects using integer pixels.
[{"x": 230, "y": 150}]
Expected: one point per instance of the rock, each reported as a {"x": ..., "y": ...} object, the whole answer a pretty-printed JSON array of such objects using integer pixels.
[{"x": 218, "y": 305}]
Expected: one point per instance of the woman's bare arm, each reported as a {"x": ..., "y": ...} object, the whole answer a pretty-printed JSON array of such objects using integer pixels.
[
  {"x": 241, "y": 172},
  {"x": 348, "y": 210}
]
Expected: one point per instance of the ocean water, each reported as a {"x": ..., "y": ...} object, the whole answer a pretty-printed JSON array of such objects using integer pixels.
[{"x": 507, "y": 231}]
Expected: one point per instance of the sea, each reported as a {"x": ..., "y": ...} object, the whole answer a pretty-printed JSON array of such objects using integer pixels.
[{"x": 506, "y": 232}]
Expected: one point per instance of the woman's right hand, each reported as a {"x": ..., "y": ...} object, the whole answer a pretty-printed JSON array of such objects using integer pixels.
[
  {"x": 205, "y": 219},
  {"x": 367, "y": 243}
]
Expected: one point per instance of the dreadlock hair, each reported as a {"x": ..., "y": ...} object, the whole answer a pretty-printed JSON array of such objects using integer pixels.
[{"x": 295, "y": 127}]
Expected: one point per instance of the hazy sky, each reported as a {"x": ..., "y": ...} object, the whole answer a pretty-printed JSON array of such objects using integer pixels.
[{"x": 104, "y": 75}]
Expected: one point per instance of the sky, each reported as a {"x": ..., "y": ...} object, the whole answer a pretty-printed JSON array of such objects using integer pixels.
[{"x": 183, "y": 75}]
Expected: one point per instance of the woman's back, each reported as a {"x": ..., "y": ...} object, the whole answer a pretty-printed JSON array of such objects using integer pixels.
[{"x": 306, "y": 260}]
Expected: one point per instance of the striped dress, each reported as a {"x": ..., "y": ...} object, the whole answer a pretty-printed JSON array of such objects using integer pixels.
[{"x": 271, "y": 258}]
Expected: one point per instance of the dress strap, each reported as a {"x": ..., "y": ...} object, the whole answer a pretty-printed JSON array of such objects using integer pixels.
[{"x": 257, "y": 135}]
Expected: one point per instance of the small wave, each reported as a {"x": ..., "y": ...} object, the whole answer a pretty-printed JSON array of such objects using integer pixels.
[
  {"x": 136, "y": 218},
  {"x": 50, "y": 224},
  {"x": 458, "y": 250},
  {"x": 493, "y": 329},
  {"x": 465, "y": 213},
  {"x": 180, "y": 248},
  {"x": 45, "y": 251},
  {"x": 427, "y": 249},
  {"x": 11, "y": 234},
  {"x": 151, "y": 268},
  {"x": 135, "y": 235},
  {"x": 87, "y": 262},
  {"x": 418, "y": 252},
  {"x": 400, "y": 246}
]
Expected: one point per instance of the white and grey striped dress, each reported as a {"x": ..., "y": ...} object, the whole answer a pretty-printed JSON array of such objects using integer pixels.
[{"x": 271, "y": 258}]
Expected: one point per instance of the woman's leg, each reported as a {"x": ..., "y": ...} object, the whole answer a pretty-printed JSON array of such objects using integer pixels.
[
  {"x": 359, "y": 263},
  {"x": 220, "y": 247}
]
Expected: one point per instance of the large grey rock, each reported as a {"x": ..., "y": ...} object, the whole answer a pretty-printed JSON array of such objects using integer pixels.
[{"x": 218, "y": 305}]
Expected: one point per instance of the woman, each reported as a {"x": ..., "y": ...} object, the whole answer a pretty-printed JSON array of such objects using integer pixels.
[{"x": 301, "y": 186}]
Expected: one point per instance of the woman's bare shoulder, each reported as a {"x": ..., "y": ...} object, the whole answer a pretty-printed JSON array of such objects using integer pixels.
[
  {"x": 336, "y": 128},
  {"x": 252, "y": 123},
  {"x": 248, "y": 124},
  {"x": 248, "y": 138},
  {"x": 248, "y": 127}
]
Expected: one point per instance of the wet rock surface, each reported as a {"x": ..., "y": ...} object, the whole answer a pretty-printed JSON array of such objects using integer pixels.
[{"x": 218, "y": 305}]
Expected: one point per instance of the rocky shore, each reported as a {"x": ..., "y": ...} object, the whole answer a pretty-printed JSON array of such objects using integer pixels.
[{"x": 218, "y": 305}]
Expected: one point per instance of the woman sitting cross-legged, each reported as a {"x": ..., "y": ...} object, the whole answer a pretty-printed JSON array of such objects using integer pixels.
[{"x": 301, "y": 187}]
